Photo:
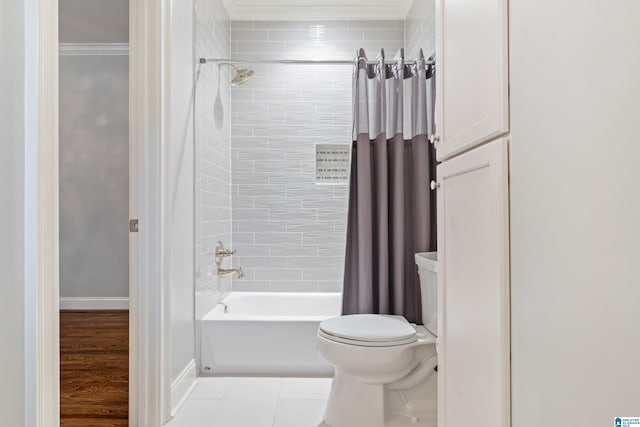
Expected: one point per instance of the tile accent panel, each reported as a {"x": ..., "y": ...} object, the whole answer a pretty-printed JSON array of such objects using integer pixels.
[
  {"x": 213, "y": 153},
  {"x": 420, "y": 28},
  {"x": 289, "y": 232}
]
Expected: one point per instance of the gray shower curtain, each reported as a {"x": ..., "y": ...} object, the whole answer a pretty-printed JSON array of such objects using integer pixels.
[{"x": 391, "y": 209}]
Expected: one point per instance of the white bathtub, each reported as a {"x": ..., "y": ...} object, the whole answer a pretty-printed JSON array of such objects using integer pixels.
[{"x": 266, "y": 334}]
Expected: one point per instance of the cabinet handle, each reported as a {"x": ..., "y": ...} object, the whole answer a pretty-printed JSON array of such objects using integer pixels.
[
  {"x": 434, "y": 185},
  {"x": 433, "y": 139}
]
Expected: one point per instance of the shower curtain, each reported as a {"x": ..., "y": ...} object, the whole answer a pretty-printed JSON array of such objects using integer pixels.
[{"x": 391, "y": 209}]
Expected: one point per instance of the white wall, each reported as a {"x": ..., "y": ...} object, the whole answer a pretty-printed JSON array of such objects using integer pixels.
[
  {"x": 575, "y": 209},
  {"x": 12, "y": 163},
  {"x": 17, "y": 250},
  {"x": 182, "y": 190}
]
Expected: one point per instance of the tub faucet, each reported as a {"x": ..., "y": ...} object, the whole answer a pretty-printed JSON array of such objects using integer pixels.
[
  {"x": 221, "y": 252},
  {"x": 225, "y": 307},
  {"x": 227, "y": 271}
]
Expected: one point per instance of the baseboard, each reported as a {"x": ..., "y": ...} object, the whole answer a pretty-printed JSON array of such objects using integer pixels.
[
  {"x": 101, "y": 49},
  {"x": 72, "y": 303},
  {"x": 182, "y": 387}
]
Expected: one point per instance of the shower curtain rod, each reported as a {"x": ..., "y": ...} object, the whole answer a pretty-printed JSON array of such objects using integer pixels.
[{"x": 429, "y": 61}]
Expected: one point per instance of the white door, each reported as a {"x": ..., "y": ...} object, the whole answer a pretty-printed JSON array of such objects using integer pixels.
[
  {"x": 473, "y": 250},
  {"x": 472, "y": 73}
]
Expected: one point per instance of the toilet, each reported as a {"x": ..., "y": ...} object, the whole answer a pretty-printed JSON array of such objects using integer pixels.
[{"x": 385, "y": 367}]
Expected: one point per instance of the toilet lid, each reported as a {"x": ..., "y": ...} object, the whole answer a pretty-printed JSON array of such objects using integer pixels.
[{"x": 372, "y": 328}]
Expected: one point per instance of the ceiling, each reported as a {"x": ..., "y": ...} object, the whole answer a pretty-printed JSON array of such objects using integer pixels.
[{"x": 331, "y": 10}]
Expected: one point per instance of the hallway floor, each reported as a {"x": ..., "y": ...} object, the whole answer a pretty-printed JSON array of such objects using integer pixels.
[
  {"x": 254, "y": 402},
  {"x": 94, "y": 368}
]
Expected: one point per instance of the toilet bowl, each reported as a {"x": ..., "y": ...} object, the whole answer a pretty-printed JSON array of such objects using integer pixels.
[
  {"x": 384, "y": 372},
  {"x": 385, "y": 367}
]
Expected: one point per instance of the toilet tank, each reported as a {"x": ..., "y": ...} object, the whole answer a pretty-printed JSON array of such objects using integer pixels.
[{"x": 427, "y": 263}]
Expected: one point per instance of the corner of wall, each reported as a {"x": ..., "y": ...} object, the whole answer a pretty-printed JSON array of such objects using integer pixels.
[
  {"x": 182, "y": 386},
  {"x": 212, "y": 157}
]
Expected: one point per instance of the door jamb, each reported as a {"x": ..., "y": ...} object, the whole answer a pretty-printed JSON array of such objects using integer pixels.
[
  {"x": 148, "y": 136},
  {"x": 47, "y": 329}
]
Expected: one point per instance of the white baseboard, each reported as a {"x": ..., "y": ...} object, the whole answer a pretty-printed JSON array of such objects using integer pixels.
[
  {"x": 182, "y": 387},
  {"x": 72, "y": 303}
]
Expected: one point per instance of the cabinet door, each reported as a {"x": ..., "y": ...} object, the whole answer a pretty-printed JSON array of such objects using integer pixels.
[
  {"x": 473, "y": 286},
  {"x": 472, "y": 73}
]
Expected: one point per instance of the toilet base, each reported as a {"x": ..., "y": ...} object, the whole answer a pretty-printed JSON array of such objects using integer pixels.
[
  {"x": 403, "y": 422},
  {"x": 353, "y": 403}
]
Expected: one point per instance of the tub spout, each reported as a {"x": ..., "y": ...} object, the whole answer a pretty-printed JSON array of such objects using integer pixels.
[
  {"x": 225, "y": 307},
  {"x": 226, "y": 271}
]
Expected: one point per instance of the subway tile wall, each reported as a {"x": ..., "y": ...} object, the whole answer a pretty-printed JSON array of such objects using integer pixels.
[
  {"x": 213, "y": 153},
  {"x": 288, "y": 231},
  {"x": 420, "y": 28}
]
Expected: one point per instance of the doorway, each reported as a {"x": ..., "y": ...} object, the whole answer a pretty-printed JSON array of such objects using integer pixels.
[
  {"x": 148, "y": 372},
  {"x": 94, "y": 211}
]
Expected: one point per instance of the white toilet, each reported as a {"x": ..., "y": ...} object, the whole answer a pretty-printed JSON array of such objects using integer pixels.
[{"x": 384, "y": 366}]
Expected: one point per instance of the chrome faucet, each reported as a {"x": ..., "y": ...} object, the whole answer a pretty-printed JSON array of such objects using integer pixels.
[
  {"x": 227, "y": 271},
  {"x": 221, "y": 252}
]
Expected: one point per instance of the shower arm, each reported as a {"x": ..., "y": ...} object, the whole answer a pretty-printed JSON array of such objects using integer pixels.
[{"x": 226, "y": 63}]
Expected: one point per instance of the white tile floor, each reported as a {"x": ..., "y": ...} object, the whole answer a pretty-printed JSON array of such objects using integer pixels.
[{"x": 254, "y": 402}]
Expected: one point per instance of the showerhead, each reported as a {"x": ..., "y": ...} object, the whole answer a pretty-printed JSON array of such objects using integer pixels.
[{"x": 240, "y": 75}]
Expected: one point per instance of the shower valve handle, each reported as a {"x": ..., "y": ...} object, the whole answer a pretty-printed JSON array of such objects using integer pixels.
[{"x": 221, "y": 252}]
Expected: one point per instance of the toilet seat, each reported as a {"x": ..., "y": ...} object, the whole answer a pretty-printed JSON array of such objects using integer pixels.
[{"x": 369, "y": 330}]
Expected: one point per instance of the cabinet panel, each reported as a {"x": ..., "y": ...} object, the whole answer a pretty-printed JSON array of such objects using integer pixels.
[
  {"x": 473, "y": 250},
  {"x": 472, "y": 73}
]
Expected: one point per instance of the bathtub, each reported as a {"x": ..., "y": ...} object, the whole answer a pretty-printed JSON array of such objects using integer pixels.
[{"x": 266, "y": 333}]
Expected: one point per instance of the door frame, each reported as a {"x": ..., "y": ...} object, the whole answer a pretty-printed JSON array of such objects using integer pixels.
[
  {"x": 149, "y": 363},
  {"x": 149, "y": 165},
  {"x": 47, "y": 328}
]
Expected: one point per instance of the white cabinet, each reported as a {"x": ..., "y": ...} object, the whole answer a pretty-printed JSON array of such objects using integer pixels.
[
  {"x": 472, "y": 73},
  {"x": 472, "y": 119},
  {"x": 473, "y": 250}
]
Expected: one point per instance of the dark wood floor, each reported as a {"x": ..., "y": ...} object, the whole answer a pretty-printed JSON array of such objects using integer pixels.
[{"x": 94, "y": 368}]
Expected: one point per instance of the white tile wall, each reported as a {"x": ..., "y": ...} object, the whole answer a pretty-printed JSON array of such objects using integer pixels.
[
  {"x": 420, "y": 27},
  {"x": 213, "y": 152},
  {"x": 313, "y": 39},
  {"x": 288, "y": 231},
  {"x": 255, "y": 150}
]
